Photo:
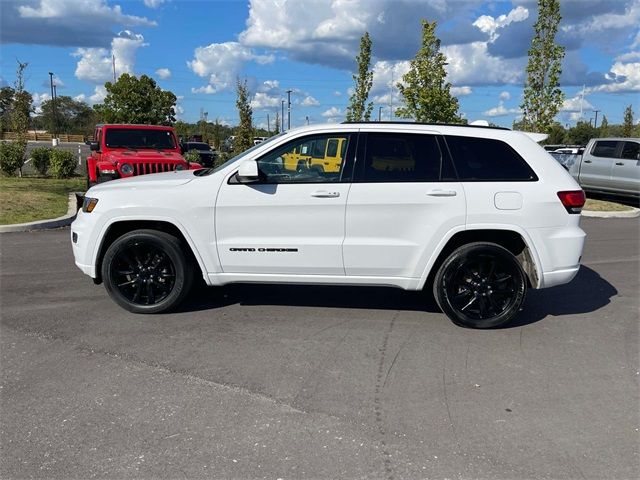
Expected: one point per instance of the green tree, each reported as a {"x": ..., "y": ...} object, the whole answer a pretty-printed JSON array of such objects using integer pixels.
[
  {"x": 603, "y": 129},
  {"x": 556, "y": 134},
  {"x": 581, "y": 134},
  {"x": 72, "y": 116},
  {"x": 244, "y": 133},
  {"x": 426, "y": 93},
  {"x": 137, "y": 100},
  {"x": 217, "y": 134},
  {"x": 6, "y": 99},
  {"x": 627, "y": 126},
  {"x": 542, "y": 95},
  {"x": 358, "y": 109},
  {"x": 21, "y": 107},
  {"x": 276, "y": 129}
]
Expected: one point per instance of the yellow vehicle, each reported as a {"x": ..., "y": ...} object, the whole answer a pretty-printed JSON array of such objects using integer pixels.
[{"x": 324, "y": 154}]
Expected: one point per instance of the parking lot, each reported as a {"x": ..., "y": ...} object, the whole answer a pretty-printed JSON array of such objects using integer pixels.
[{"x": 317, "y": 382}]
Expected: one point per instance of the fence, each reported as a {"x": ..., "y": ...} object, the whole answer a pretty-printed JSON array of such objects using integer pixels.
[{"x": 37, "y": 136}]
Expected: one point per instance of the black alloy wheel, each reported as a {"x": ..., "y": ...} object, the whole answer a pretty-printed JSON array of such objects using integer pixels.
[
  {"x": 145, "y": 271},
  {"x": 480, "y": 285}
]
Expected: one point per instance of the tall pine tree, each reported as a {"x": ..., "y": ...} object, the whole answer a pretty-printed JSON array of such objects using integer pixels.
[
  {"x": 426, "y": 93},
  {"x": 244, "y": 134},
  {"x": 358, "y": 109},
  {"x": 542, "y": 95},
  {"x": 627, "y": 126}
]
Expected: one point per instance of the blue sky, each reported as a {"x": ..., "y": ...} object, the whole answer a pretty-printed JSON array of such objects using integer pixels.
[{"x": 197, "y": 49}]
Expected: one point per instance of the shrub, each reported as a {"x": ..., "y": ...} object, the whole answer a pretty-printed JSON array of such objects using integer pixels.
[
  {"x": 12, "y": 157},
  {"x": 40, "y": 157},
  {"x": 63, "y": 163},
  {"x": 192, "y": 156}
]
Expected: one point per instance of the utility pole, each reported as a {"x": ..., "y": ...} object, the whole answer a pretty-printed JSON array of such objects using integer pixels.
[
  {"x": 268, "y": 125},
  {"x": 282, "y": 117},
  {"x": 379, "y": 114},
  {"x": 595, "y": 124},
  {"x": 113, "y": 62},
  {"x": 391, "y": 98},
  {"x": 289, "y": 109},
  {"x": 53, "y": 107},
  {"x": 307, "y": 119}
]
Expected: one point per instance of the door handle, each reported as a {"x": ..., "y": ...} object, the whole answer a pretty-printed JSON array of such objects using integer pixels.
[
  {"x": 619, "y": 163},
  {"x": 442, "y": 193},
  {"x": 325, "y": 194},
  {"x": 587, "y": 161}
]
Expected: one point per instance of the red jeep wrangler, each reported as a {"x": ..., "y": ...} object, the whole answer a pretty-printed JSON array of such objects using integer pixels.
[{"x": 120, "y": 151}]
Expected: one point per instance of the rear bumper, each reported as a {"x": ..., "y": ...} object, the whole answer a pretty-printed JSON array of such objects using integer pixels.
[{"x": 560, "y": 250}]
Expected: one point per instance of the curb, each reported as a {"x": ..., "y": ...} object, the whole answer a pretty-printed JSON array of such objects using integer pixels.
[
  {"x": 626, "y": 214},
  {"x": 59, "y": 222}
]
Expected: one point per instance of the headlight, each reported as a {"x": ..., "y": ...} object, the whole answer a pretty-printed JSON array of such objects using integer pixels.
[
  {"x": 89, "y": 204},
  {"x": 126, "y": 168},
  {"x": 180, "y": 167}
]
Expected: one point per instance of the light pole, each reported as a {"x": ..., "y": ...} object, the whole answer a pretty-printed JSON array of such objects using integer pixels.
[
  {"x": 379, "y": 114},
  {"x": 289, "y": 109},
  {"x": 53, "y": 109},
  {"x": 595, "y": 123},
  {"x": 282, "y": 117}
]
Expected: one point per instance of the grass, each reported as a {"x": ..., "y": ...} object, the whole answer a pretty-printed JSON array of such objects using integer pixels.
[
  {"x": 28, "y": 199},
  {"x": 603, "y": 206}
]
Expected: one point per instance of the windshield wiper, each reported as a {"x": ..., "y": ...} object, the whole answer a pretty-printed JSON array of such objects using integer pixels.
[{"x": 122, "y": 146}]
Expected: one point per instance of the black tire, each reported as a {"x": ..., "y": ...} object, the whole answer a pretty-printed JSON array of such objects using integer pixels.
[
  {"x": 480, "y": 285},
  {"x": 146, "y": 271}
]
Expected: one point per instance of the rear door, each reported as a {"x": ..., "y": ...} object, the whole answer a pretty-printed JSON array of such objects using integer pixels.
[
  {"x": 403, "y": 201},
  {"x": 625, "y": 173},
  {"x": 597, "y": 164}
]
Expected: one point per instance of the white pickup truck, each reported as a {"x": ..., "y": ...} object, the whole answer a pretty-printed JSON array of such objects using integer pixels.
[{"x": 608, "y": 165}]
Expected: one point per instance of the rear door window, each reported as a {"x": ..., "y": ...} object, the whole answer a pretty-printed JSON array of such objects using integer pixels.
[
  {"x": 486, "y": 159},
  {"x": 401, "y": 157},
  {"x": 605, "y": 148},
  {"x": 630, "y": 151}
]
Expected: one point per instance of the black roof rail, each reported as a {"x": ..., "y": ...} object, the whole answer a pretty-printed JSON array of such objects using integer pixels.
[{"x": 430, "y": 124}]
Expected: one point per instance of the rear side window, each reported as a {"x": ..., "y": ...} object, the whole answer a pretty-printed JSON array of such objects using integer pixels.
[
  {"x": 401, "y": 157},
  {"x": 486, "y": 159},
  {"x": 631, "y": 150},
  {"x": 605, "y": 148}
]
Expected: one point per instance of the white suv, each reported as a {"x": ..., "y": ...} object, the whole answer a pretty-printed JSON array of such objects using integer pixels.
[{"x": 477, "y": 214}]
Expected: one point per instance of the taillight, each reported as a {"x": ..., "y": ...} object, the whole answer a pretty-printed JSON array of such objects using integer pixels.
[{"x": 573, "y": 200}]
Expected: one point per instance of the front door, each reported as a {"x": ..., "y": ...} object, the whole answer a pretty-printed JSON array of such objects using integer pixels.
[{"x": 290, "y": 222}]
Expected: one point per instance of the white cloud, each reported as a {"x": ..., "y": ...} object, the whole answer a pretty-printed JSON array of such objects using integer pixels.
[
  {"x": 262, "y": 101},
  {"x": 99, "y": 95},
  {"x": 96, "y": 64},
  {"x": 491, "y": 25},
  {"x": 38, "y": 100},
  {"x": 472, "y": 64},
  {"x": 153, "y": 3},
  {"x": 333, "y": 112},
  {"x": 576, "y": 104},
  {"x": 61, "y": 9},
  {"x": 461, "y": 91},
  {"x": 504, "y": 96},
  {"x": 501, "y": 111},
  {"x": 80, "y": 98},
  {"x": 309, "y": 101},
  {"x": 337, "y": 93},
  {"x": 163, "y": 73},
  {"x": 222, "y": 63},
  {"x": 624, "y": 77}
]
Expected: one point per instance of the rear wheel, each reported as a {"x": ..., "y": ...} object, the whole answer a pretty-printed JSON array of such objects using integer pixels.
[
  {"x": 146, "y": 271},
  {"x": 480, "y": 285}
]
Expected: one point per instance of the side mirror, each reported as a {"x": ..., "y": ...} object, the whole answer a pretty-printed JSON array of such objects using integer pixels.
[
  {"x": 94, "y": 146},
  {"x": 248, "y": 172}
]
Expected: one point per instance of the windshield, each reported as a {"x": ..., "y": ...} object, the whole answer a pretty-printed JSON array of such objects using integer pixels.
[
  {"x": 139, "y": 138},
  {"x": 198, "y": 146},
  {"x": 209, "y": 171}
]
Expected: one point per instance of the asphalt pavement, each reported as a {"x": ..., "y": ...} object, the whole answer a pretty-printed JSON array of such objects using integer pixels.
[{"x": 310, "y": 382}]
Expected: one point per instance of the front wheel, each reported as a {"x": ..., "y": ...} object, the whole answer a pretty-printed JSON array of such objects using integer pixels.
[
  {"x": 480, "y": 285},
  {"x": 146, "y": 271}
]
